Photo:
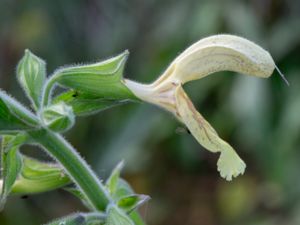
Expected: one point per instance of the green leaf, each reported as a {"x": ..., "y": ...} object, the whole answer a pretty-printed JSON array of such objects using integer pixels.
[
  {"x": 85, "y": 104},
  {"x": 14, "y": 116},
  {"x": 123, "y": 190},
  {"x": 131, "y": 202},
  {"x": 103, "y": 79},
  {"x": 11, "y": 165},
  {"x": 58, "y": 117},
  {"x": 116, "y": 216},
  {"x": 37, "y": 177},
  {"x": 112, "y": 182},
  {"x": 80, "y": 219},
  {"x": 31, "y": 73}
]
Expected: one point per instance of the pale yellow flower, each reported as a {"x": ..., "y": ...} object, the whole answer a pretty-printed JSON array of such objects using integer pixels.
[{"x": 209, "y": 55}]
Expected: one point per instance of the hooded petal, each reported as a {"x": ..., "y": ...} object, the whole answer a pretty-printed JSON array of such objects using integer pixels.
[
  {"x": 219, "y": 53},
  {"x": 229, "y": 164}
]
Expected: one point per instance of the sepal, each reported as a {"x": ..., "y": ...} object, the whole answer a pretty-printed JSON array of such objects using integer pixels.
[
  {"x": 36, "y": 177},
  {"x": 103, "y": 79}
]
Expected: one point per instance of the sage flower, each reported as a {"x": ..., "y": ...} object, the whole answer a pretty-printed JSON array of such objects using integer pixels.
[{"x": 209, "y": 55}]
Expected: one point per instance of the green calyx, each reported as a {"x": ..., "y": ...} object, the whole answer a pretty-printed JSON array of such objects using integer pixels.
[
  {"x": 37, "y": 177},
  {"x": 101, "y": 81}
]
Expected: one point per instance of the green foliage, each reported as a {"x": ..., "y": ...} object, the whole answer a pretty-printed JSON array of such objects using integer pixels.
[{"x": 24, "y": 175}]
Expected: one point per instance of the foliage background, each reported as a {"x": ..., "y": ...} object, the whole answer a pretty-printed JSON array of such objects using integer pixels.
[{"x": 260, "y": 118}]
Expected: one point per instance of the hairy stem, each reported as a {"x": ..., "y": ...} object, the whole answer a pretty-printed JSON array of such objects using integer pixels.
[{"x": 75, "y": 166}]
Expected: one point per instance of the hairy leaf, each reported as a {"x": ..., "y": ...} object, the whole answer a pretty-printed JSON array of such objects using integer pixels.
[{"x": 14, "y": 116}]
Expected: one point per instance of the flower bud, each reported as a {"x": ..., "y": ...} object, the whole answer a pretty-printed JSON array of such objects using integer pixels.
[
  {"x": 58, "y": 117},
  {"x": 31, "y": 73}
]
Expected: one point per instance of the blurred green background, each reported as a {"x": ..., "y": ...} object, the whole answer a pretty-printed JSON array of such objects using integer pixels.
[{"x": 260, "y": 118}]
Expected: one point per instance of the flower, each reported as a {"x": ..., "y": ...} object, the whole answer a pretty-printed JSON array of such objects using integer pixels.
[{"x": 209, "y": 55}]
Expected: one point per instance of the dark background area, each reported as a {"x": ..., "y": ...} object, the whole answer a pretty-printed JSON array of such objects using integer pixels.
[{"x": 259, "y": 117}]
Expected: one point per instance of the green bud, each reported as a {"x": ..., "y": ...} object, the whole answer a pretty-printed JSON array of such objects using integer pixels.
[
  {"x": 31, "y": 73},
  {"x": 58, "y": 117}
]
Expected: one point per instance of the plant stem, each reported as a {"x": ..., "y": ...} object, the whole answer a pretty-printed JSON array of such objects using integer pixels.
[{"x": 75, "y": 166}]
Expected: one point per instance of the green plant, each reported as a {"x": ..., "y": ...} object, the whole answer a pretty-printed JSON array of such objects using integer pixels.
[{"x": 95, "y": 87}]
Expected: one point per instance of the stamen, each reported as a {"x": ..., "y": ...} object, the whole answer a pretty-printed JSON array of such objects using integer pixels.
[{"x": 282, "y": 76}]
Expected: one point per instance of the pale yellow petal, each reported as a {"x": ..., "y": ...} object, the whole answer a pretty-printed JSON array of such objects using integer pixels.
[
  {"x": 229, "y": 164},
  {"x": 219, "y": 53}
]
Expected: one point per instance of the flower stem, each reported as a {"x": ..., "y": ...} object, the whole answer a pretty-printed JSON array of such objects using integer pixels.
[{"x": 75, "y": 166}]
